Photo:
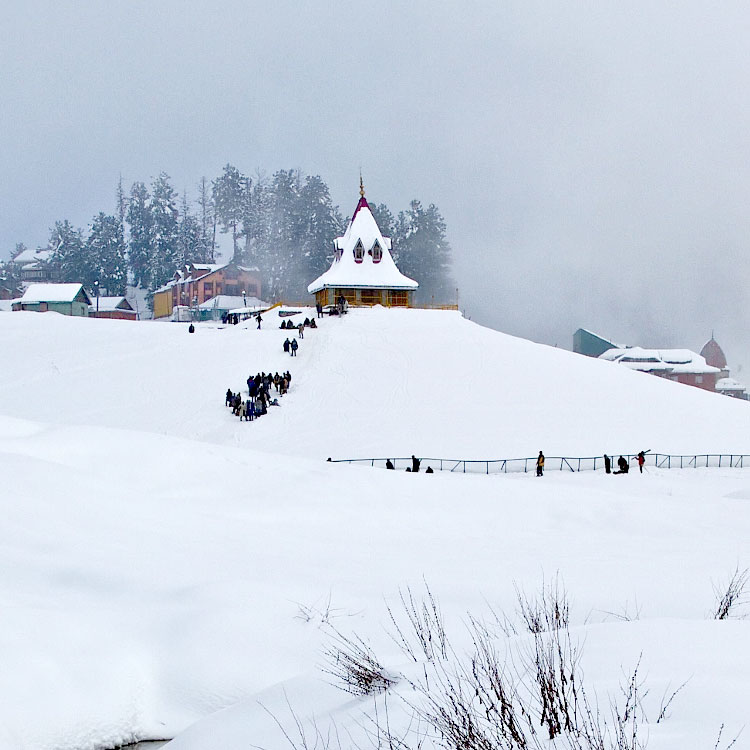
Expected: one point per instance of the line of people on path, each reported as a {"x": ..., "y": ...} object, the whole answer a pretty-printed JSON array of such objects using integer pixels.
[
  {"x": 300, "y": 327},
  {"x": 259, "y": 395}
]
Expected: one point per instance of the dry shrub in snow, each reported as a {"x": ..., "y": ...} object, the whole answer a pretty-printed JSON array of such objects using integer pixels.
[
  {"x": 354, "y": 665},
  {"x": 732, "y": 595},
  {"x": 424, "y": 631}
]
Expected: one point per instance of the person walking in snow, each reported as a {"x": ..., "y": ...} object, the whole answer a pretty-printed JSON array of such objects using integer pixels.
[
  {"x": 229, "y": 397},
  {"x": 294, "y": 346},
  {"x": 319, "y": 309},
  {"x": 286, "y": 346},
  {"x": 415, "y": 463},
  {"x": 607, "y": 464},
  {"x": 259, "y": 319},
  {"x": 301, "y": 329},
  {"x": 540, "y": 464},
  {"x": 641, "y": 458}
]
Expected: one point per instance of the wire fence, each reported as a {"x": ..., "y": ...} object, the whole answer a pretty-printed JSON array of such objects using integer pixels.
[{"x": 559, "y": 463}]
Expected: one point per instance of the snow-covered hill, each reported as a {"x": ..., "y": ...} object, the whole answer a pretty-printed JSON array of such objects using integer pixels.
[
  {"x": 375, "y": 383},
  {"x": 158, "y": 554}
]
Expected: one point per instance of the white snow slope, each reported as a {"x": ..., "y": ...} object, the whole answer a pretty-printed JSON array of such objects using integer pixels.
[{"x": 156, "y": 551}]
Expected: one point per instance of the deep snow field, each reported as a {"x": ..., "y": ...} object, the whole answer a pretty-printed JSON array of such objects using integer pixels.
[{"x": 159, "y": 556}]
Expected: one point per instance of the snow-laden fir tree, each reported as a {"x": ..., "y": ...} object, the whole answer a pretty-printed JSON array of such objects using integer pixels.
[
  {"x": 190, "y": 241},
  {"x": 69, "y": 257},
  {"x": 319, "y": 222},
  {"x": 105, "y": 251},
  {"x": 207, "y": 217},
  {"x": 163, "y": 231},
  {"x": 422, "y": 252},
  {"x": 139, "y": 221},
  {"x": 229, "y": 194}
]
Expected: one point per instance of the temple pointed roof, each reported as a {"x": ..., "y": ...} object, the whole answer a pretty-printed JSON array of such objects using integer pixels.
[
  {"x": 714, "y": 354},
  {"x": 362, "y": 257}
]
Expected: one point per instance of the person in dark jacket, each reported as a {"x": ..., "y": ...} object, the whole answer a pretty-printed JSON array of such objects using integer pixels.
[
  {"x": 429, "y": 470},
  {"x": 294, "y": 346},
  {"x": 319, "y": 309},
  {"x": 415, "y": 463},
  {"x": 540, "y": 464},
  {"x": 259, "y": 319},
  {"x": 191, "y": 328},
  {"x": 229, "y": 397},
  {"x": 607, "y": 464},
  {"x": 286, "y": 346},
  {"x": 623, "y": 464},
  {"x": 389, "y": 464}
]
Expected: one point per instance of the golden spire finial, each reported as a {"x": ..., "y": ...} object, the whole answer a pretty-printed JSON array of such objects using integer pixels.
[{"x": 361, "y": 185}]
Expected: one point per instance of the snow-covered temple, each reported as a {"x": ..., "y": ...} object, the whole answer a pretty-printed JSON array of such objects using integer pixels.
[{"x": 363, "y": 270}]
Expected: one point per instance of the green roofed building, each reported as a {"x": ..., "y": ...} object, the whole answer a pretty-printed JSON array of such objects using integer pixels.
[
  {"x": 590, "y": 344},
  {"x": 66, "y": 299}
]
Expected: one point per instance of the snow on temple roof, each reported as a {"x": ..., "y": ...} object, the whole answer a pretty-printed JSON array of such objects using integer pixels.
[
  {"x": 53, "y": 293},
  {"x": 347, "y": 271},
  {"x": 659, "y": 360}
]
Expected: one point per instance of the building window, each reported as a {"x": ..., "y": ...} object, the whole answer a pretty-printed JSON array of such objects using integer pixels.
[
  {"x": 336, "y": 251},
  {"x": 398, "y": 299},
  {"x": 208, "y": 289},
  {"x": 699, "y": 378},
  {"x": 371, "y": 297},
  {"x": 376, "y": 252},
  {"x": 359, "y": 252}
]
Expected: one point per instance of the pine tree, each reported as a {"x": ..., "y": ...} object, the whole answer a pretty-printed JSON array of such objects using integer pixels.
[
  {"x": 105, "y": 251},
  {"x": 256, "y": 220},
  {"x": 139, "y": 248},
  {"x": 190, "y": 245},
  {"x": 207, "y": 217},
  {"x": 319, "y": 223},
  {"x": 122, "y": 202},
  {"x": 229, "y": 196},
  {"x": 69, "y": 256},
  {"x": 163, "y": 232},
  {"x": 281, "y": 252},
  {"x": 384, "y": 218},
  {"x": 423, "y": 253}
]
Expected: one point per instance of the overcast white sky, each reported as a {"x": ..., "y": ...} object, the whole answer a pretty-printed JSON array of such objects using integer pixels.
[{"x": 590, "y": 158}]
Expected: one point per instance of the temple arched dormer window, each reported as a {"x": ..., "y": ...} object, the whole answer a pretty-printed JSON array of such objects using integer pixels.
[
  {"x": 376, "y": 252},
  {"x": 359, "y": 252},
  {"x": 336, "y": 251}
]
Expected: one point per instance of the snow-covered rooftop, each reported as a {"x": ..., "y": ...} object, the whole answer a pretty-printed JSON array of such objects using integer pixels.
[
  {"x": 348, "y": 271},
  {"x": 678, "y": 361},
  {"x": 110, "y": 304},
  {"x": 32, "y": 256},
  {"x": 231, "y": 302},
  {"x": 729, "y": 384},
  {"x": 53, "y": 293}
]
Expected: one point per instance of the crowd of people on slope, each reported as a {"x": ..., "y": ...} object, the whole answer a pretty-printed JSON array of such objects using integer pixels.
[{"x": 259, "y": 395}]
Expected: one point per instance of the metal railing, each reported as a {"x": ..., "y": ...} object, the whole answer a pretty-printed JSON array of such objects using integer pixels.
[{"x": 559, "y": 463}]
